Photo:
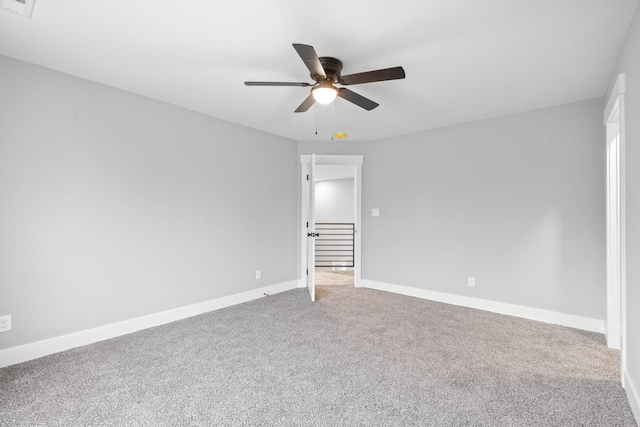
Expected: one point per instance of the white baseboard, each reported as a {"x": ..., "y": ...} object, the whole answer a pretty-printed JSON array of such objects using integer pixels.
[
  {"x": 23, "y": 353},
  {"x": 632, "y": 396},
  {"x": 578, "y": 322}
]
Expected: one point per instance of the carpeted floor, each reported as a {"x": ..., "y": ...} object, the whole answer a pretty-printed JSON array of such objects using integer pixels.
[
  {"x": 355, "y": 357},
  {"x": 334, "y": 277}
]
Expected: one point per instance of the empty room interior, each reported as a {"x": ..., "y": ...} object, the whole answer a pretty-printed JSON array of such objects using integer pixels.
[{"x": 192, "y": 234}]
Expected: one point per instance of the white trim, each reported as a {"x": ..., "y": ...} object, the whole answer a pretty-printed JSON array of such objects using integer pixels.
[
  {"x": 623, "y": 232},
  {"x": 614, "y": 248},
  {"x": 311, "y": 227},
  {"x": 619, "y": 88},
  {"x": 31, "y": 351},
  {"x": 546, "y": 316},
  {"x": 632, "y": 395},
  {"x": 304, "y": 191},
  {"x": 614, "y": 121},
  {"x": 357, "y": 277},
  {"x": 333, "y": 159}
]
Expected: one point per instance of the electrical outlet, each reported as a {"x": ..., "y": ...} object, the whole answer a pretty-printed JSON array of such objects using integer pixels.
[
  {"x": 258, "y": 274},
  {"x": 471, "y": 281},
  {"x": 5, "y": 323}
]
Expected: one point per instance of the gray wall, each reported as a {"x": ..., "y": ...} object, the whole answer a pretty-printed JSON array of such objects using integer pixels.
[
  {"x": 516, "y": 201},
  {"x": 629, "y": 63},
  {"x": 335, "y": 200},
  {"x": 116, "y": 206}
]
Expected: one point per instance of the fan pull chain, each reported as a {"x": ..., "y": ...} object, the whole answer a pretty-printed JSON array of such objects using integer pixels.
[
  {"x": 332, "y": 120},
  {"x": 316, "y": 107}
]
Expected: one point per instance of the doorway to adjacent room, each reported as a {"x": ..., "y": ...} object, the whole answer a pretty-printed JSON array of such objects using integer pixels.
[{"x": 330, "y": 220}]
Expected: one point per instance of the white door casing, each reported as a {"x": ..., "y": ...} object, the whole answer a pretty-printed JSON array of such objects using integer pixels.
[
  {"x": 354, "y": 160},
  {"x": 616, "y": 253}
]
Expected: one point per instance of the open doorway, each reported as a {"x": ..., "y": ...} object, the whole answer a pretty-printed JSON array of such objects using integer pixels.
[
  {"x": 335, "y": 213},
  {"x": 332, "y": 168}
]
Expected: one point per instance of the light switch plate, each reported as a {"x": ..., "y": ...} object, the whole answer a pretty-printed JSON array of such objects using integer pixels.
[{"x": 375, "y": 212}]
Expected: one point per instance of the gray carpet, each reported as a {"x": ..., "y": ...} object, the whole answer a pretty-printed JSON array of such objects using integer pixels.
[{"x": 356, "y": 357}]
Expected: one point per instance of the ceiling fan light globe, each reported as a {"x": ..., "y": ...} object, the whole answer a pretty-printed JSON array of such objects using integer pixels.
[{"x": 324, "y": 95}]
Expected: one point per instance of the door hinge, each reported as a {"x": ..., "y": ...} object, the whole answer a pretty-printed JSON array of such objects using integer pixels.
[
  {"x": 307, "y": 225},
  {"x": 307, "y": 271},
  {"x": 307, "y": 177}
]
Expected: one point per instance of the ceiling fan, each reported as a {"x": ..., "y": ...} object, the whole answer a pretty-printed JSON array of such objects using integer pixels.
[{"x": 325, "y": 71}]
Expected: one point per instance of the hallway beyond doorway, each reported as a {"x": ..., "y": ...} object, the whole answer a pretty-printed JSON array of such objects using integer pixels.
[{"x": 334, "y": 277}]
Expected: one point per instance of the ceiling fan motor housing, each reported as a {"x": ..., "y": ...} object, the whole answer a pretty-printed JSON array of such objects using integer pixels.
[{"x": 332, "y": 68}]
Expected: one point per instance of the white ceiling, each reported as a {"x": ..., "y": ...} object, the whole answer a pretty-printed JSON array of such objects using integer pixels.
[{"x": 465, "y": 60}]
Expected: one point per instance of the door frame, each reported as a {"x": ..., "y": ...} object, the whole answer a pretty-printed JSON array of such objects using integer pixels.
[
  {"x": 616, "y": 330},
  {"x": 356, "y": 161}
]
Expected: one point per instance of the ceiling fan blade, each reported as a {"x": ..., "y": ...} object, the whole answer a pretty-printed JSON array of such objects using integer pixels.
[
  {"x": 359, "y": 100},
  {"x": 306, "y": 104},
  {"x": 373, "y": 76},
  {"x": 276, "y": 84},
  {"x": 310, "y": 59}
]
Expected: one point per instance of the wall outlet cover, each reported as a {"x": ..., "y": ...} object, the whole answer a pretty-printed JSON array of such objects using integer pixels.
[{"x": 5, "y": 323}]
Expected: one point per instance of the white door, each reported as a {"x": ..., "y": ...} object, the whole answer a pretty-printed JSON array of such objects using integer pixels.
[
  {"x": 311, "y": 229},
  {"x": 613, "y": 239}
]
